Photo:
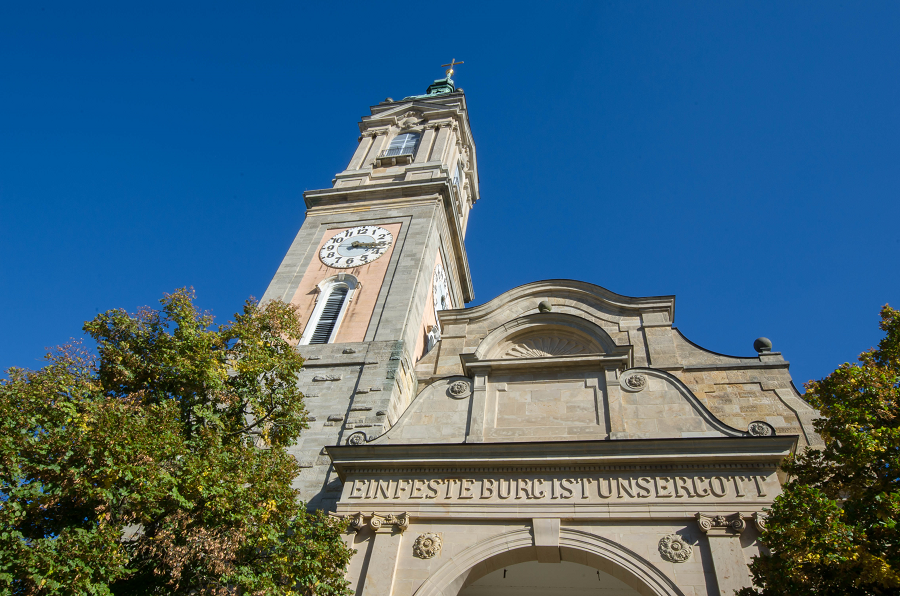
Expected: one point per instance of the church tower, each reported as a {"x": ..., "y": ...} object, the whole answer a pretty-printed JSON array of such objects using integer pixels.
[{"x": 377, "y": 257}]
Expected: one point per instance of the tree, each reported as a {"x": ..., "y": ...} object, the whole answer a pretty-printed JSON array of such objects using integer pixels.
[
  {"x": 159, "y": 464},
  {"x": 834, "y": 528}
]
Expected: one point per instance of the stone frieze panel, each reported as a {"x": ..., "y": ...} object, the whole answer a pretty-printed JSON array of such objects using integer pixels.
[{"x": 750, "y": 486}]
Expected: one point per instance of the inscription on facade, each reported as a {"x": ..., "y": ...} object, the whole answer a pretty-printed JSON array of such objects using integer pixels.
[{"x": 596, "y": 488}]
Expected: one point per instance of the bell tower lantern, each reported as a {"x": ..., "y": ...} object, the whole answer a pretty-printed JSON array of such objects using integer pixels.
[{"x": 422, "y": 137}]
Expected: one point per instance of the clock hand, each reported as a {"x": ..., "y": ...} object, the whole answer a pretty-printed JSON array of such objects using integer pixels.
[{"x": 358, "y": 244}]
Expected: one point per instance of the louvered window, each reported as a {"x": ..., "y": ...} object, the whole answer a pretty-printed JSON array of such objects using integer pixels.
[
  {"x": 329, "y": 316},
  {"x": 404, "y": 144}
]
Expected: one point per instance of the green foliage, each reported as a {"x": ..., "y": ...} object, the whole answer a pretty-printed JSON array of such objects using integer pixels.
[
  {"x": 159, "y": 466},
  {"x": 834, "y": 529}
]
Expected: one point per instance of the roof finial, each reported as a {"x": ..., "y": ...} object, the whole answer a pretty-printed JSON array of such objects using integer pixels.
[{"x": 453, "y": 62}]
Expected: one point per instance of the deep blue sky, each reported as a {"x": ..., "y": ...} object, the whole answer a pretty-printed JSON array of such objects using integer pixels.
[{"x": 743, "y": 156}]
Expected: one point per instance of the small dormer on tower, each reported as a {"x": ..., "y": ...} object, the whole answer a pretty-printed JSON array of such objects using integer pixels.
[{"x": 422, "y": 137}]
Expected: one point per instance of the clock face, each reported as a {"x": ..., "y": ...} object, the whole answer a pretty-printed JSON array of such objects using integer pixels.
[{"x": 356, "y": 247}]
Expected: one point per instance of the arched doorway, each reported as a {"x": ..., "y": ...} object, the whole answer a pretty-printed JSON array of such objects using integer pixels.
[
  {"x": 540, "y": 579},
  {"x": 576, "y": 547}
]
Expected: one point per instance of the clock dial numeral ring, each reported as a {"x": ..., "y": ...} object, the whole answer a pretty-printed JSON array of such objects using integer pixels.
[{"x": 356, "y": 247}]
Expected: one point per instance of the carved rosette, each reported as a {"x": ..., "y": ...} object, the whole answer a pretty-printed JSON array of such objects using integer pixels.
[
  {"x": 459, "y": 389},
  {"x": 427, "y": 546},
  {"x": 721, "y": 524},
  {"x": 633, "y": 382},
  {"x": 673, "y": 548},
  {"x": 758, "y": 428},
  {"x": 357, "y": 438}
]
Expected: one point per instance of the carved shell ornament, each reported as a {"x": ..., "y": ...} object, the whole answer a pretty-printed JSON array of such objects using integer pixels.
[
  {"x": 409, "y": 120},
  {"x": 542, "y": 347},
  {"x": 427, "y": 546},
  {"x": 459, "y": 389},
  {"x": 673, "y": 548}
]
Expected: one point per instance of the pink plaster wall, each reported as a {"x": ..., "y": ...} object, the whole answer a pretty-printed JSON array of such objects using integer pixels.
[{"x": 371, "y": 276}]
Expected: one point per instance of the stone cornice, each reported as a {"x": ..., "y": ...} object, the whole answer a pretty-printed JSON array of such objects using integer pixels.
[
  {"x": 471, "y": 364},
  {"x": 580, "y": 469},
  {"x": 726, "y": 366},
  {"x": 711, "y": 450}
]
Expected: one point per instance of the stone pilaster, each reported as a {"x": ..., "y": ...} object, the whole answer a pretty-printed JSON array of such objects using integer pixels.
[
  {"x": 479, "y": 401},
  {"x": 440, "y": 145},
  {"x": 377, "y": 145},
  {"x": 425, "y": 145},
  {"x": 724, "y": 535}
]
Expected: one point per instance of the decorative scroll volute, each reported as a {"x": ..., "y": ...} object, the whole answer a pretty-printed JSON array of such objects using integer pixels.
[
  {"x": 379, "y": 522},
  {"x": 721, "y": 524}
]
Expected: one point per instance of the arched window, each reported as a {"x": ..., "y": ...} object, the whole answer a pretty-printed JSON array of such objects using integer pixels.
[
  {"x": 328, "y": 319},
  {"x": 403, "y": 144},
  {"x": 335, "y": 294}
]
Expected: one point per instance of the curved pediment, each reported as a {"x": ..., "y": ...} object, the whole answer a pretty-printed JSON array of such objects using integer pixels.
[
  {"x": 545, "y": 335},
  {"x": 566, "y": 295}
]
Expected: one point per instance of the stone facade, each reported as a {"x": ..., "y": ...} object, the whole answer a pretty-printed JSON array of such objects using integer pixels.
[{"x": 558, "y": 426}]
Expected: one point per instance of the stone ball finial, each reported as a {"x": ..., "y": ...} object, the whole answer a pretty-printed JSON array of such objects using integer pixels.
[
  {"x": 545, "y": 306},
  {"x": 388, "y": 100},
  {"x": 762, "y": 345}
]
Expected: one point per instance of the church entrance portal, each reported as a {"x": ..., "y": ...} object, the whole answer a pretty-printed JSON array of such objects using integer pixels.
[
  {"x": 578, "y": 562},
  {"x": 538, "y": 579}
]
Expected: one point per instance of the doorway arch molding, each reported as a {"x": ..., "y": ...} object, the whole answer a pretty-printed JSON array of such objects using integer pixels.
[{"x": 575, "y": 546}]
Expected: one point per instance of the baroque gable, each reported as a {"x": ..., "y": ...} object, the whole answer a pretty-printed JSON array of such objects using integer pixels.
[{"x": 534, "y": 344}]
